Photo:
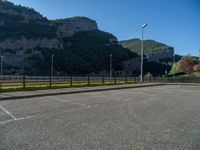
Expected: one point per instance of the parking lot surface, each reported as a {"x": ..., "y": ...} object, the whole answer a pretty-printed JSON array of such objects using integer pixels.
[{"x": 157, "y": 118}]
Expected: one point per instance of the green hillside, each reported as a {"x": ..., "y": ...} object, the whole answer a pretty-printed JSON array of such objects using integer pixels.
[{"x": 150, "y": 46}]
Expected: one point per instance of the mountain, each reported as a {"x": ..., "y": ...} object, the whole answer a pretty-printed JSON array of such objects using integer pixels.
[
  {"x": 154, "y": 51},
  {"x": 27, "y": 41},
  {"x": 156, "y": 55}
]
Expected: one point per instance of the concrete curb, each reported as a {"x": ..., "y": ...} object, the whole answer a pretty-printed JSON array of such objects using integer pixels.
[
  {"x": 94, "y": 90},
  {"x": 78, "y": 91},
  {"x": 185, "y": 84}
]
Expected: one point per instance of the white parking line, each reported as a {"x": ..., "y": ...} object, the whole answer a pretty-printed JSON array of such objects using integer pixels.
[
  {"x": 58, "y": 99},
  {"x": 16, "y": 119},
  {"x": 153, "y": 95},
  {"x": 12, "y": 116},
  {"x": 6, "y": 111},
  {"x": 69, "y": 101}
]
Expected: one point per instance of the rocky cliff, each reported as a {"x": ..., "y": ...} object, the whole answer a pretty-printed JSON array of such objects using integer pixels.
[
  {"x": 24, "y": 28},
  {"x": 67, "y": 27},
  {"x": 27, "y": 40}
]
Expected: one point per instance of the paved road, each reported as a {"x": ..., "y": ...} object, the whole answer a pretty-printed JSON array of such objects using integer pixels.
[{"x": 152, "y": 118}]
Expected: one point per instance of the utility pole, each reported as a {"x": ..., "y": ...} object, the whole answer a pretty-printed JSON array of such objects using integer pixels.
[
  {"x": 52, "y": 56},
  {"x": 110, "y": 67},
  {"x": 1, "y": 65},
  {"x": 199, "y": 54},
  {"x": 174, "y": 66}
]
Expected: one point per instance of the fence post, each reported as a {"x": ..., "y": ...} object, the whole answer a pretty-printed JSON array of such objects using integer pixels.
[
  {"x": 71, "y": 81},
  {"x": 126, "y": 79},
  {"x": 0, "y": 82},
  {"x": 24, "y": 81},
  {"x": 50, "y": 80},
  {"x": 115, "y": 79},
  {"x": 88, "y": 80},
  {"x": 102, "y": 80}
]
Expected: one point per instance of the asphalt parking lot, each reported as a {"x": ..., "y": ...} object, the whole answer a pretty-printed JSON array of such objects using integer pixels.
[{"x": 152, "y": 118}]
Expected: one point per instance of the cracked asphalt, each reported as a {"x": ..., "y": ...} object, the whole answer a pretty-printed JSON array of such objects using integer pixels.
[{"x": 150, "y": 118}]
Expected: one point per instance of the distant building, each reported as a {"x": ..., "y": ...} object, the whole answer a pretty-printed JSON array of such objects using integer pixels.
[{"x": 196, "y": 67}]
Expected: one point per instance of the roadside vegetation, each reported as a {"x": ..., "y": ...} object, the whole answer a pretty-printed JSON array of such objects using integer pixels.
[
  {"x": 188, "y": 66},
  {"x": 60, "y": 85}
]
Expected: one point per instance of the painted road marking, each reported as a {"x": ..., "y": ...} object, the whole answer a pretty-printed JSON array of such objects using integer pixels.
[
  {"x": 153, "y": 95},
  {"x": 16, "y": 119},
  {"x": 76, "y": 103},
  {"x": 7, "y": 112},
  {"x": 12, "y": 116}
]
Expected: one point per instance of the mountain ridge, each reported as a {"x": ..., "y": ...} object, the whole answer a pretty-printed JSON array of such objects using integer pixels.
[
  {"x": 27, "y": 41},
  {"x": 150, "y": 46}
]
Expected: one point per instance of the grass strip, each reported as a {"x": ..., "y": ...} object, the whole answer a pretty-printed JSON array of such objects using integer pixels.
[{"x": 61, "y": 85}]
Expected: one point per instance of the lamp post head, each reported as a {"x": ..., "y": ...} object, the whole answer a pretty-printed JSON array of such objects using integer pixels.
[{"x": 144, "y": 25}]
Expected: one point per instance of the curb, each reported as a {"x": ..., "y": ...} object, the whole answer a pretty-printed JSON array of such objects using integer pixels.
[
  {"x": 94, "y": 90},
  {"x": 78, "y": 91},
  {"x": 185, "y": 84}
]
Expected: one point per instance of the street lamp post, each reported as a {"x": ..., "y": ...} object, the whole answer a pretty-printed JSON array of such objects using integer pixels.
[
  {"x": 1, "y": 65},
  {"x": 52, "y": 56},
  {"x": 110, "y": 67},
  {"x": 199, "y": 54},
  {"x": 174, "y": 65},
  {"x": 142, "y": 52}
]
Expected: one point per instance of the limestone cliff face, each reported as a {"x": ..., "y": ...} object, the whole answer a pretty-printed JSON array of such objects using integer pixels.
[
  {"x": 23, "y": 32},
  {"x": 68, "y": 27},
  {"x": 28, "y": 29},
  {"x": 24, "y": 44},
  {"x": 65, "y": 28},
  {"x": 20, "y": 58},
  {"x": 25, "y": 14}
]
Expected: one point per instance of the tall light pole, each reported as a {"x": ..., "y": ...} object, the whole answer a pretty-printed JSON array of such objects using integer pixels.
[
  {"x": 174, "y": 65},
  {"x": 110, "y": 67},
  {"x": 142, "y": 53},
  {"x": 1, "y": 65},
  {"x": 199, "y": 54},
  {"x": 52, "y": 56}
]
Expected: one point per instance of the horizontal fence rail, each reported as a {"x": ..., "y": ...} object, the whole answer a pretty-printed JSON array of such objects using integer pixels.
[{"x": 25, "y": 81}]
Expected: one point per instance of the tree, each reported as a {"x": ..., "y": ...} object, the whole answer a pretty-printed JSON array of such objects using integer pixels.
[
  {"x": 176, "y": 68},
  {"x": 187, "y": 64}
]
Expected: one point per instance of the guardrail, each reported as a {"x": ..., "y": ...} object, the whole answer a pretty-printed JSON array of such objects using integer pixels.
[{"x": 25, "y": 81}]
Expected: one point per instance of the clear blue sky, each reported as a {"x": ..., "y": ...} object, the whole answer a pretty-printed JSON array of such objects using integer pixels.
[{"x": 173, "y": 22}]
